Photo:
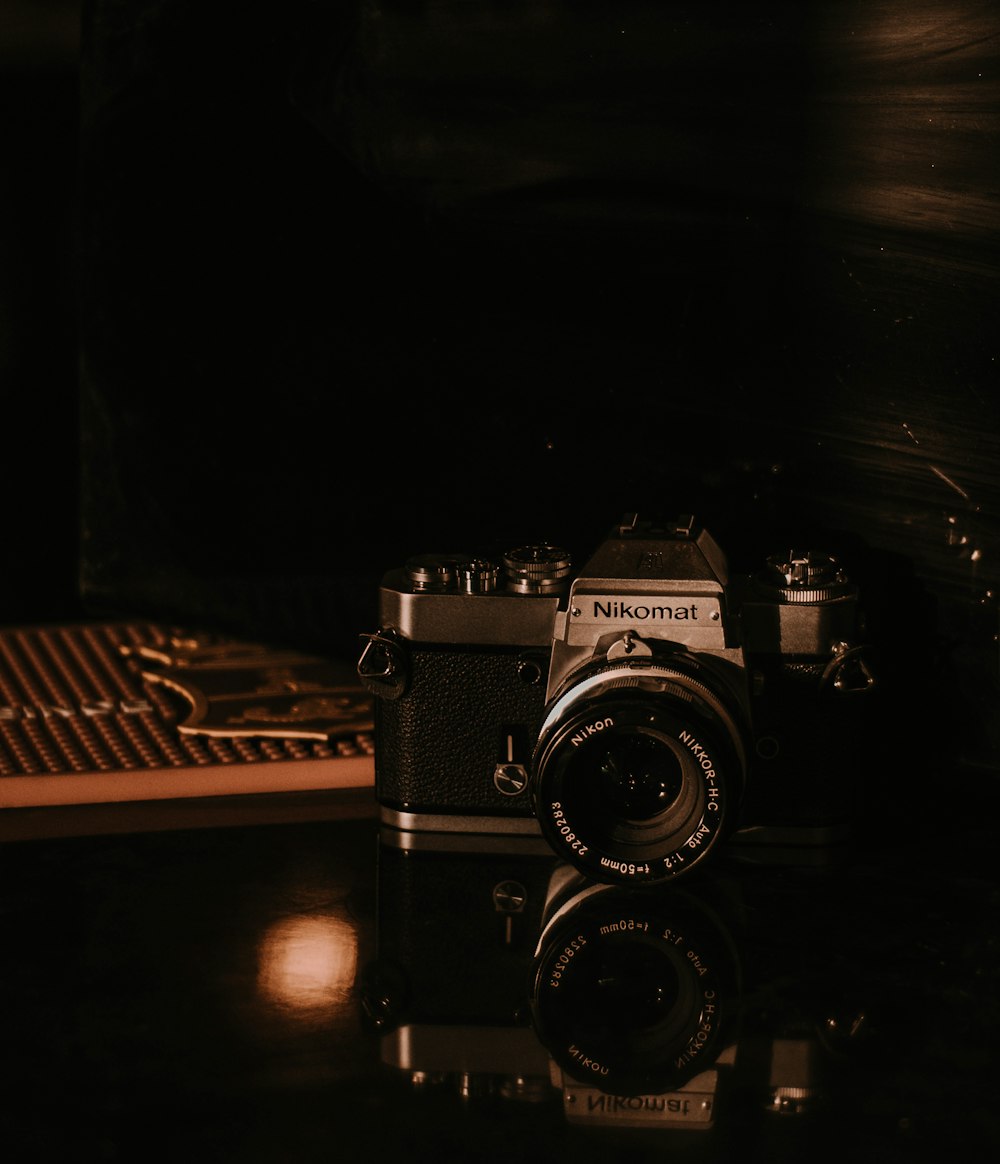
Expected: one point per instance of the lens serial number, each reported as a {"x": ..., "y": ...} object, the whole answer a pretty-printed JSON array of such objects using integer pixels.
[
  {"x": 564, "y": 959},
  {"x": 565, "y": 830}
]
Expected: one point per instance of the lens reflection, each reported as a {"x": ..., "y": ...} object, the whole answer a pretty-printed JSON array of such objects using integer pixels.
[{"x": 633, "y": 989}]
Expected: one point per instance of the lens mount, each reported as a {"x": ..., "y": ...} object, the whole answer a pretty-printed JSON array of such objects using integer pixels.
[{"x": 637, "y": 772}]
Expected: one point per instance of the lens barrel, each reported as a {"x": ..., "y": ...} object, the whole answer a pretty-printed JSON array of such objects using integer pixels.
[{"x": 638, "y": 771}]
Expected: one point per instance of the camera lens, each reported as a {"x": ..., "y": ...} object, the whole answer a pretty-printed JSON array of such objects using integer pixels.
[
  {"x": 638, "y": 770},
  {"x": 634, "y": 994}
]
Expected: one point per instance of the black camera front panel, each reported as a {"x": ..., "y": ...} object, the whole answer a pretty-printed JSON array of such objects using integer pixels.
[{"x": 459, "y": 739}]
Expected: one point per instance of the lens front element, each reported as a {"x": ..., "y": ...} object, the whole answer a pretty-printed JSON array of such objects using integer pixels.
[{"x": 638, "y": 777}]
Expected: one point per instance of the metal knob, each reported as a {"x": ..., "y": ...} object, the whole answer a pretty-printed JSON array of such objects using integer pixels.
[
  {"x": 536, "y": 569},
  {"x": 434, "y": 571},
  {"x": 477, "y": 576},
  {"x": 805, "y": 576}
]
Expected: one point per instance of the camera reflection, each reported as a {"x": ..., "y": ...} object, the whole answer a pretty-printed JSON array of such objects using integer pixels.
[{"x": 507, "y": 975}]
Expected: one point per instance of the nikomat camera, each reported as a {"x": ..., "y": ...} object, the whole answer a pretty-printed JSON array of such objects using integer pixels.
[{"x": 638, "y": 712}]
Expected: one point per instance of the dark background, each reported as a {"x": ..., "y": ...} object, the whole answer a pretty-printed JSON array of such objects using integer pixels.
[
  {"x": 39, "y": 436},
  {"x": 290, "y": 291},
  {"x": 339, "y": 282}
]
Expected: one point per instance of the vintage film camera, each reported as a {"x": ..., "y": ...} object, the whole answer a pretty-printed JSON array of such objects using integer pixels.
[{"x": 637, "y": 713}]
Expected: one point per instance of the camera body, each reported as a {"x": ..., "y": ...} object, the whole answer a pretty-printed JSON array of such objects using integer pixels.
[{"x": 637, "y": 712}]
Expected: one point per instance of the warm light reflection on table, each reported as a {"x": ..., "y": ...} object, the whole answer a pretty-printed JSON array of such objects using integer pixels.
[{"x": 307, "y": 963}]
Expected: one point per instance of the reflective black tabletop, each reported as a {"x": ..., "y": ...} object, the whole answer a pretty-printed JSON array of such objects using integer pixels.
[{"x": 323, "y": 989}]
